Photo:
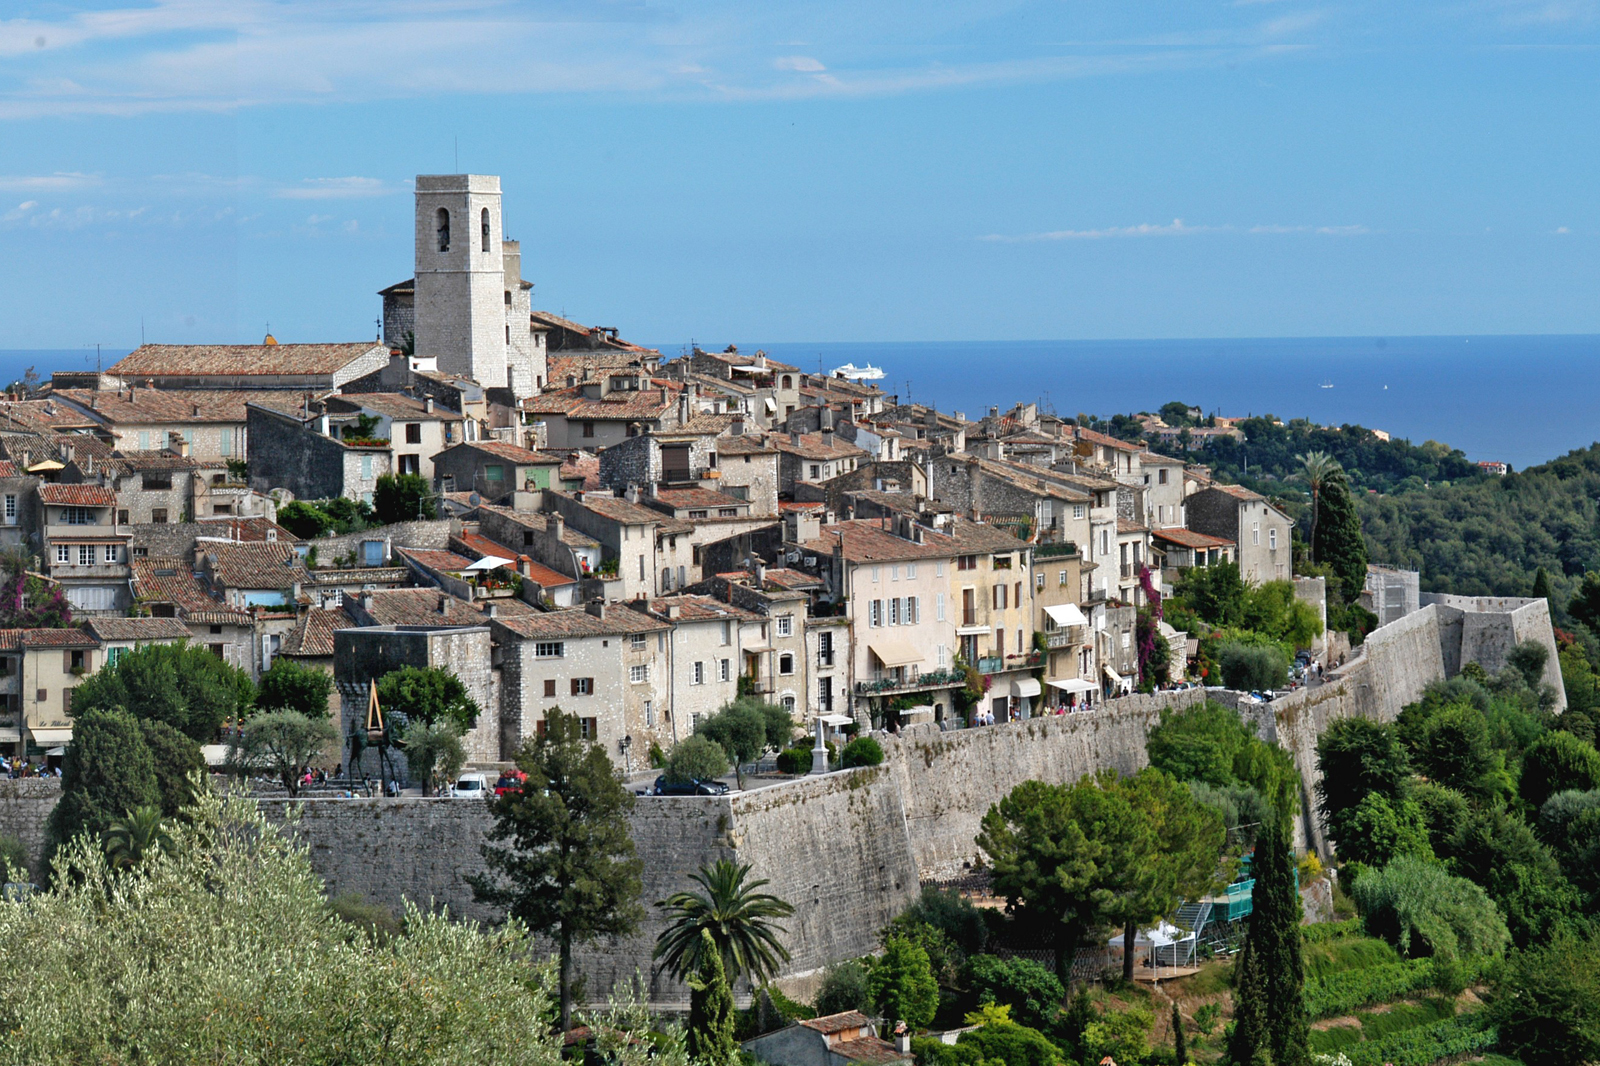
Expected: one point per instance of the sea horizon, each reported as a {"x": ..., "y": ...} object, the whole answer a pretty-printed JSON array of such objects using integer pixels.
[{"x": 1502, "y": 397}]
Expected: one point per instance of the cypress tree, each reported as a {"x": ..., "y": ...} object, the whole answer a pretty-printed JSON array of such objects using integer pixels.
[
  {"x": 1180, "y": 1049},
  {"x": 108, "y": 772},
  {"x": 1269, "y": 987},
  {"x": 1541, "y": 584},
  {"x": 711, "y": 1019},
  {"x": 1338, "y": 542}
]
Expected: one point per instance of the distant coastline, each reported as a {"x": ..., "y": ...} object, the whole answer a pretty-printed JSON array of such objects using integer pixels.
[{"x": 1513, "y": 399}]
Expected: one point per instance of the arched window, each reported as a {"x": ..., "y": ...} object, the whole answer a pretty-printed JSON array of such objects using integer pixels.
[
  {"x": 442, "y": 224},
  {"x": 788, "y": 382},
  {"x": 486, "y": 229},
  {"x": 786, "y": 663}
]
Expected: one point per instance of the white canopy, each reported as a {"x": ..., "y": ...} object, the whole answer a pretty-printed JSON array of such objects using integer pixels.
[
  {"x": 835, "y": 719},
  {"x": 895, "y": 653},
  {"x": 1066, "y": 614},
  {"x": 10, "y": 736},
  {"x": 1076, "y": 684},
  {"x": 1163, "y": 935},
  {"x": 1024, "y": 686},
  {"x": 489, "y": 562},
  {"x": 1116, "y": 678},
  {"x": 47, "y": 737}
]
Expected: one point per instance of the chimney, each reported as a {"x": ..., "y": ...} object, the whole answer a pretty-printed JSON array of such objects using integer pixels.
[
  {"x": 444, "y": 604},
  {"x": 683, "y": 407},
  {"x": 366, "y": 602},
  {"x": 827, "y": 438},
  {"x": 596, "y": 607},
  {"x": 632, "y": 492},
  {"x": 427, "y": 405},
  {"x": 322, "y": 423},
  {"x": 736, "y": 427},
  {"x": 663, "y": 395},
  {"x": 902, "y": 1040},
  {"x": 557, "y": 525},
  {"x": 673, "y": 611},
  {"x": 761, "y": 574},
  {"x": 491, "y": 609}
]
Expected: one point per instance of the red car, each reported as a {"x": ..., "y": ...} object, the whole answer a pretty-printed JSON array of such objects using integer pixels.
[{"x": 510, "y": 781}]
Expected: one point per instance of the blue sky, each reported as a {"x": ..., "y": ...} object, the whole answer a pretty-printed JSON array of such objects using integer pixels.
[{"x": 811, "y": 171}]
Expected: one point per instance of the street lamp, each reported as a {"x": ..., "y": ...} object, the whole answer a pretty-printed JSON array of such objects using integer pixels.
[{"x": 624, "y": 744}]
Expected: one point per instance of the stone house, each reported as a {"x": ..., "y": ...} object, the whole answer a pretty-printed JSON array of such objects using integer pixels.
[
  {"x": 1058, "y": 596},
  {"x": 832, "y": 1040},
  {"x": 493, "y": 469},
  {"x": 748, "y": 468},
  {"x": 673, "y": 457},
  {"x": 296, "y": 368},
  {"x": 1133, "y": 554},
  {"x": 639, "y": 541},
  {"x": 162, "y": 487},
  {"x": 265, "y": 574},
  {"x": 780, "y": 670},
  {"x": 607, "y": 665},
  {"x": 19, "y": 508},
  {"x": 1163, "y": 490},
  {"x": 168, "y": 587},
  {"x": 891, "y": 578},
  {"x": 1113, "y": 456},
  {"x": 706, "y": 652},
  {"x": 599, "y": 413},
  {"x": 1175, "y": 550},
  {"x": 1115, "y": 647},
  {"x": 43, "y": 666},
  {"x": 546, "y": 538},
  {"x": 1260, "y": 531},
  {"x": 767, "y": 389},
  {"x": 1055, "y": 507},
  {"x": 694, "y": 505},
  {"x": 416, "y": 429},
  {"x": 303, "y": 457},
  {"x": 85, "y": 549},
  {"x": 212, "y": 424},
  {"x": 119, "y": 636},
  {"x": 991, "y": 591},
  {"x": 813, "y": 458}
]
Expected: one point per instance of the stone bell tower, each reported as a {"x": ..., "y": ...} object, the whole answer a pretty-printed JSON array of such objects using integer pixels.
[{"x": 461, "y": 277}]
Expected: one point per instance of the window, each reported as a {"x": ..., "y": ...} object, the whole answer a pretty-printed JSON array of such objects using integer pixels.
[
  {"x": 41, "y": 695},
  {"x": 63, "y": 553},
  {"x": 77, "y": 659},
  {"x": 122, "y": 517},
  {"x": 158, "y": 515},
  {"x": 816, "y": 471},
  {"x": 1002, "y": 562},
  {"x": 1125, "y": 640},
  {"x": 649, "y": 713},
  {"x": 86, "y": 555},
  {"x": 786, "y": 663},
  {"x": 875, "y": 613},
  {"x": 77, "y": 516},
  {"x": 638, "y": 675},
  {"x": 413, "y": 432},
  {"x": 1255, "y": 534},
  {"x": 113, "y": 655},
  {"x": 1016, "y": 594},
  {"x": 913, "y": 609},
  {"x": 697, "y": 514},
  {"x": 494, "y": 472},
  {"x": 144, "y": 440},
  {"x": 589, "y": 728},
  {"x": 1061, "y": 579},
  {"x": 553, "y": 649},
  {"x": 894, "y": 610},
  {"x": 485, "y": 224},
  {"x": 549, "y": 689},
  {"x": 723, "y": 673},
  {"x": 441, "y": 226},
  {"x": 1077, "y": 510},
  {"x": 588, "y": 429},
  {"x": 1000, "y": 643},
  {"x": 583, "y": 686},
  {"x": 222, "y": 508},
  {"x": 1105, "y": 542},
  {"x": 697, "y": 675},
  {"x": 825, "y": 649},
  {"x": 967, "y": 562},
  {"x": 727, "y": 633},
  {"x": 11, "y": 509},
  {"x": 938, "y": 606},
  {"x": 874, "y": 575},
  {"x": 911, "y": 571},
  {"x": 894, "y": 571},
  {"x": 110, "y": 554},
  {"x": 785, "y": 625},
  {"x": 1272, "y": 539},
  {"x": 825, "y": 693},
  {"x": 1000, "y": 597},
  {"x": 366, "y": 467},
  {"x": 1161, "y": 476},
  {"x": 636, "y": 642},
  {"x": 938, "y": 568},
  {"x": 788, "y": 705},
  {"x": 727, "y": 512},
  {"x": 940, "y": 654}
]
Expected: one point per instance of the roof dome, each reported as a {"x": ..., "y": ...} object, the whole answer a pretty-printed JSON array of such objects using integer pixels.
[{"x": 269, "y": 339}]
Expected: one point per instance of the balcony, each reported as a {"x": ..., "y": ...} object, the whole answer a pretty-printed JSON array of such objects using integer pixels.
[
  {"x": 99, "y": 532},
  {"x": 92, "y": 572},
  {"x": 990, "y": 664},
  {"x": 1067, "y": 637},
  {"x": 919, "y": 682}
]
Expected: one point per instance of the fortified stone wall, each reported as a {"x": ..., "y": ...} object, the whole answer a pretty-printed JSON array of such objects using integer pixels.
[{"x": 25, "y": 806}]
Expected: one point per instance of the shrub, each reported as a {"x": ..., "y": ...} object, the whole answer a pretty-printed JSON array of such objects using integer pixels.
[
  {"x": 1033, "y": 993},
  {"x": 862, "y": 751},
  {"x": 1423, "y": 910},
  {"x": 795, "y": 760},
  {"x": 951, "y": 913},
  {"x": 1557, "y": 762},
  {"x": 401, "y": 498},
  {"x": 13, "y": 858},
  {"x": 1252, "y": 669},
  {"x": 901, "y": 984},
  {"x": 844, "y": 987},
  {"x": 695, "y": 759},
  {"x": 1124, "y": 1035},
  {"x": 1547, "y": 1002}
]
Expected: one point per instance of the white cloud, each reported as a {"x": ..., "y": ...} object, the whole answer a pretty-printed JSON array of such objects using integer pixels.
[
  {"x": 317, "y": 220},
  {"x": 333, "y": 189},
  {"x": 1559, "y": 229},
  {"x": 803, "y": 64},
  {"x": 1176, "y": 228},
  {"x": 57, "y": 182}
]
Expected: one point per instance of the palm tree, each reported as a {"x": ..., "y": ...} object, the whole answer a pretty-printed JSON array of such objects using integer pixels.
[
  {"x": 737, "y": 917},
  {"x": 128, "y": 840},
  {"x": 1318, "y": 469}
]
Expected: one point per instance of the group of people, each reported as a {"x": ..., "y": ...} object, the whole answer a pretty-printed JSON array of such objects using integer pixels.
[{"x": 20, "y": 767}]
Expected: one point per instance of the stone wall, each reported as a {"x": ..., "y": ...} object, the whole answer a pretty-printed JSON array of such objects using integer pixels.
[
  {"x": 25, "y": 806},
  {"x": 426, "y": 534}
]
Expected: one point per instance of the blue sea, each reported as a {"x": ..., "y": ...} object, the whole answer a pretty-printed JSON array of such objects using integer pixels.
[{"x": 1521, "y": 400}]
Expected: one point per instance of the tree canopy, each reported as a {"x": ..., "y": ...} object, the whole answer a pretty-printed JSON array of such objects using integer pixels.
[
  {"x": 183, "y": 685},
  {"x": 427, "y": 694}
]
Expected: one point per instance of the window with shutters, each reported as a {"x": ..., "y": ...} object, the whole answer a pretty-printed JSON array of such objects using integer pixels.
[
  {"x": 549, "y": 689},
  {"x": 912, "y": 610},
  {"x": 413, "y": 432},
  {"x": 589, "y": 728},
  {"x": 583, "y": 686},
  {"x": 723, "y": 673},
  {"x": 697, "y": 674},
  {"x": 894, "y": 611},
  {"x": 938, "y": 606},
  {"x": 875, "y": 613},
  {"x": 785, "y": 625},
  {"x": 911, "y": 571},
  {"x": 638, "y": 675},
  {"x": 938, "y": 569}
]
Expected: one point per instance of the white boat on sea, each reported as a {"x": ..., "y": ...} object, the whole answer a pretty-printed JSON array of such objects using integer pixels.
[{"x": 858, "y": 373}]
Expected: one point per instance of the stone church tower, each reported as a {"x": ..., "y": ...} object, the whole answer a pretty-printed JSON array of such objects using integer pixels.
[{"x": 471, "y": 304}]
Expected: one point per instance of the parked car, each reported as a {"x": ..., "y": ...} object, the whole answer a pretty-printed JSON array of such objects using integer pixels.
[
  {"x": 688, "y": 788},
  {"x": 509, "y": 781},
  {"x": 470, "y": 786}
]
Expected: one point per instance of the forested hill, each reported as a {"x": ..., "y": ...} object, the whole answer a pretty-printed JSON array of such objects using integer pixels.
[
  {"x": 1270, "y": 453},
  {"x": 1490, "y": 535}
]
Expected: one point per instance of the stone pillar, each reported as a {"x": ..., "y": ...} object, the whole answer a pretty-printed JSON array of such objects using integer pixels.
[{"x": 819, "y": 752}]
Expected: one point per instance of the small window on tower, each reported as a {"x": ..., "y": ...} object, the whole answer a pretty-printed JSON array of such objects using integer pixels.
[
  {"x": 442, "y": 224},
  {"x": 486, "y": 229}
]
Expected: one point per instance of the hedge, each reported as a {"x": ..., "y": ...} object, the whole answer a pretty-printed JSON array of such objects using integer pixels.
[
  {"x": 1341, "y": 993},
  {"x": 1426, "y": 1044},
  {"x": 1321, "y": 932}
]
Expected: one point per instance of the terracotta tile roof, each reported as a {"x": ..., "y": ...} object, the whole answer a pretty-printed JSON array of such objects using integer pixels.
[
  {"x": 1188, "y": 538},
  {"x": 584, "y": 465},
  {"x": 708, "y": 498},
  {"x": 110, "y": 628},
  {"x": 1239, "y": 492},
  {"x": 544, "y": 576},
  {"x": 45, "y": 415},
  {"x": 642, "y": 405},
  {"x": 837, "y": 1023},
  {"x": 743, "y": 444},
  {"x": 124, "y": 461},
  {"x": 77, "y": 495},
  {"x": 574, "y": 622},
  {"x": 193, "y": 360},
  {"x": 480, "y": 546},
  {"x": 810, "y": 446},
  {"x": 693, "y": 608},
  {"x": 445, "y": 562},
  {"x": 619, "y": 510},
  {"x": 509, "y": 452},
  {"x": 392, "y": 405},
  {"x": 1109, "y": 441},
  {"x": 8, "y": 469},
  {"x": 11, "y": 639},
  {"x": 785, "y": 578},
  {"x": 165, "y": 579},
  {"x": 144, "y": 406},
  {"x": 359, "y": 575},
  {"x": 312, "y": 636},
  {"x": 981, "y": 536},
  {"x": 420, "y": 607},
  {"x": 802, "y": 506},
  {"x": 264, "y": 565},
  {"x": 549, "y": 319},
  {"x": 256, "y": 528},
  {"x": 864, "y": 540},
  {"x": 1157, "y": 459},
  {"x": 869, "y": 1049},
  {"x": 541, "y": 522},
  {"x": 1125, "y": 525}
]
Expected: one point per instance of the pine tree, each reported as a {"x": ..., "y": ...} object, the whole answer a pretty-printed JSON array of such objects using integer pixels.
[
  {"x": 1180, "y": 1048},
  {"x": 710, "y": 1036},
  {"x": 1269, "y": 984}
]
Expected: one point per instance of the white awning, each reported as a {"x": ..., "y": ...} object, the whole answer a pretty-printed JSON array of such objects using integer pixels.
[
  {"x": 46, "y": 737},
  {"x": 57, "y": 752},
  {"x": 1066, "y": 614},
  {"x": 1115, "y": 677},
  {"x": 894, "y": 653},
  {"x": 835, "y": 719},
  {"x": 973, "y": 631},
  {"x": 772, "y": 405},
  {"x": 1024, "y": 686},
  {"x": 214, "y": 754},
  {"x": 1076, "y": 685},
  {"x": 10, "y": 736},
  {"x": 489, "y": 562}
]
